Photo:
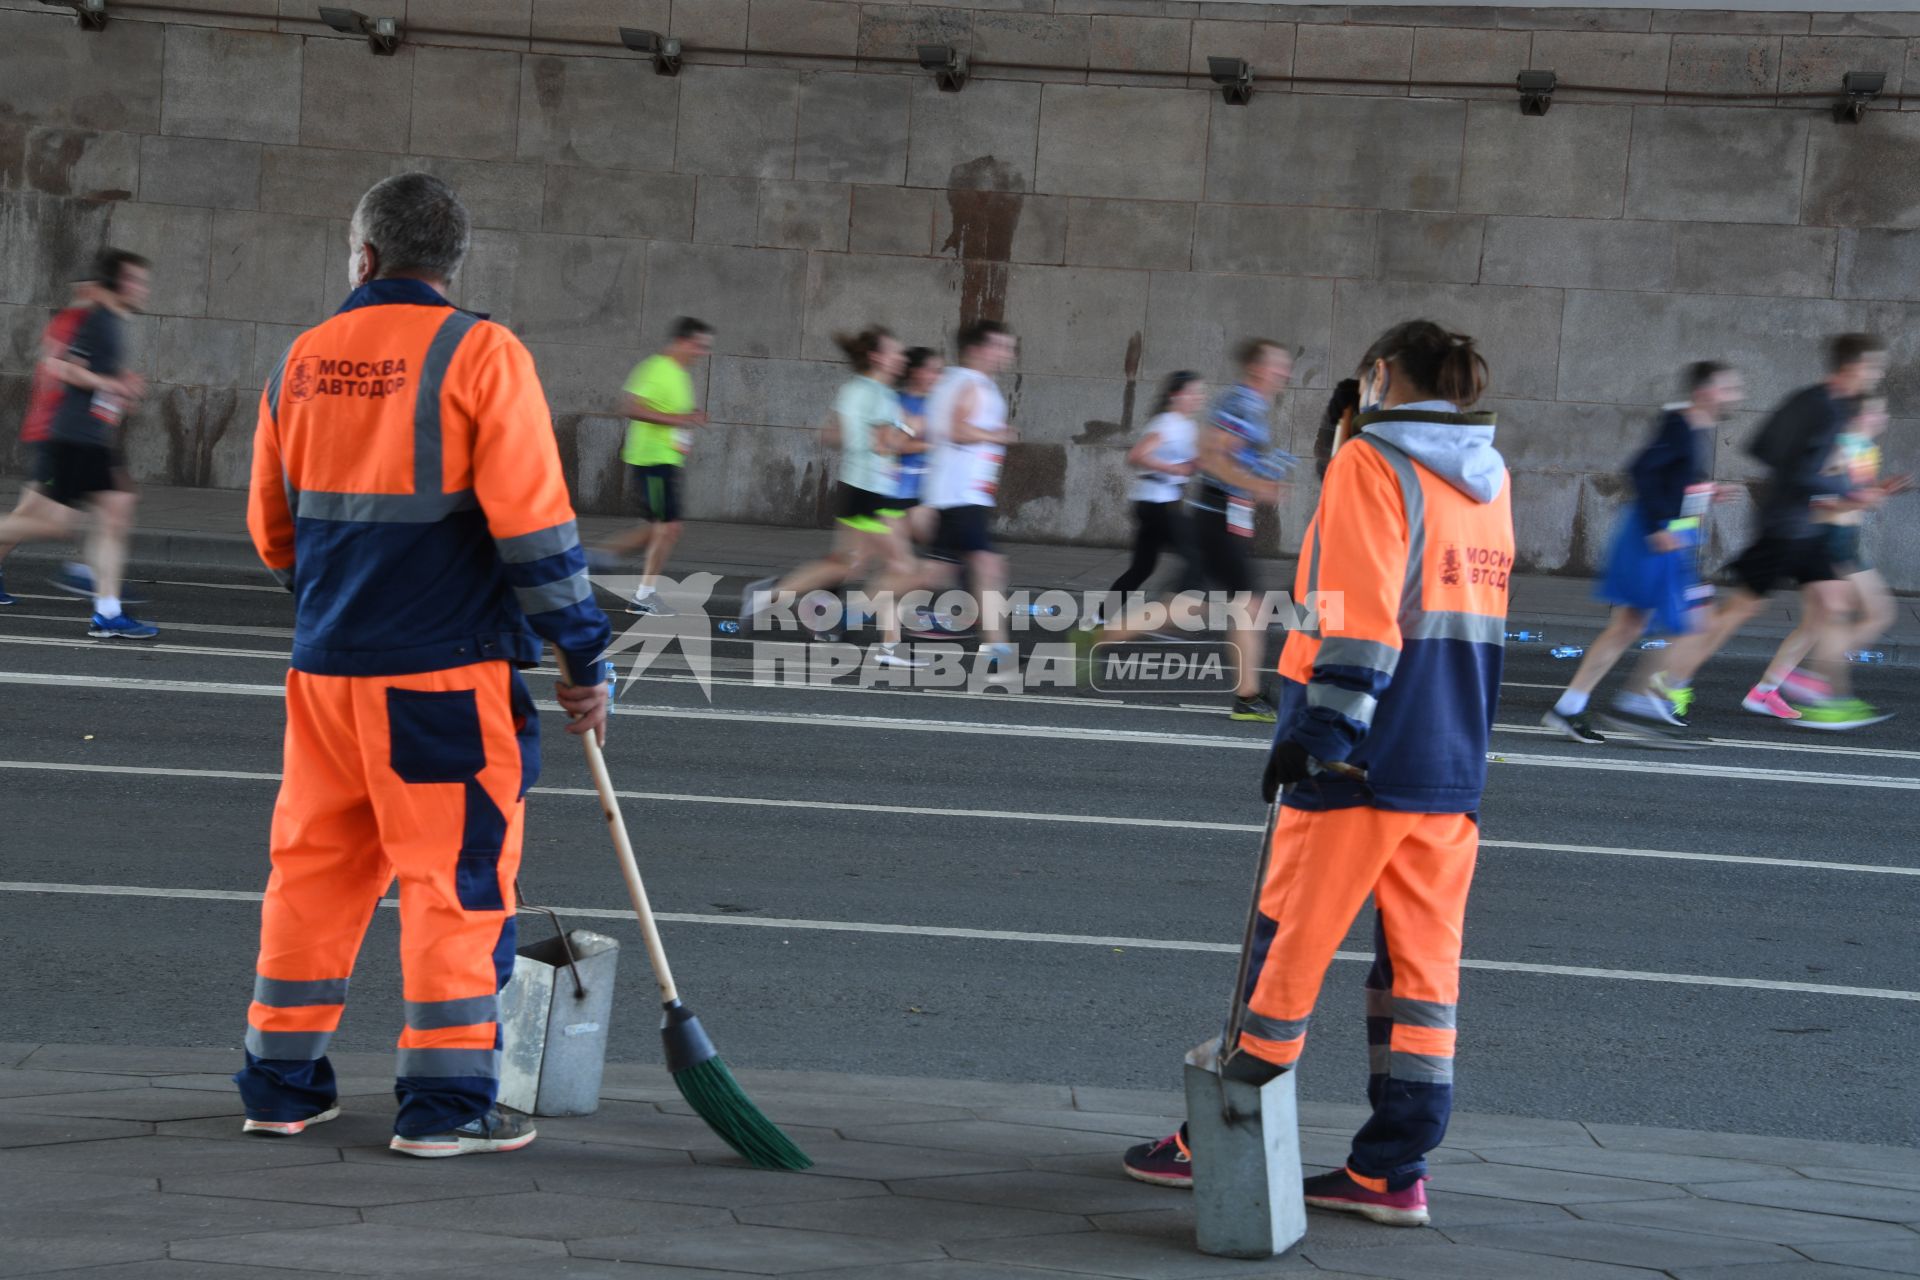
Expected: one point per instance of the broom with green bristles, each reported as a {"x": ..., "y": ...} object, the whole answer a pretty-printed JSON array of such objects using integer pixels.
[{"x": 698, "y": 1072}]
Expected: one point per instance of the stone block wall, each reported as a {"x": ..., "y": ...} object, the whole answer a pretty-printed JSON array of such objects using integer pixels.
[{"x": 790, "y": 183}]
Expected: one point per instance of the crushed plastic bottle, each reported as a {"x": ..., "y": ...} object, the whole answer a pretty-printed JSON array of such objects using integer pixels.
[
  {"x": 1567, "y": 651},
  {"x": 1653, "y": 644},
  {"x": 1526, "y": 637},
  {"x": 728, "y": 627},
  {"x": 1866, "y": 655}
]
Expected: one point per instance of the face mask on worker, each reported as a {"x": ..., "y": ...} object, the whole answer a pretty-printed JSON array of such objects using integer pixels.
[{"x": 1373, "y": 387}]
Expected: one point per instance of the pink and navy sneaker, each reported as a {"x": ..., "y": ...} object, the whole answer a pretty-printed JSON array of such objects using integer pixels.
[
  {"x": 1166, "y": 1163},
  {"x": 288, "y": 1128},
  {"x": 1346, "y": 1192}
]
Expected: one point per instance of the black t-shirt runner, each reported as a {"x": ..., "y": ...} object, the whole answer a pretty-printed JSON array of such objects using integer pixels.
[{"x": 90, "y": 417}]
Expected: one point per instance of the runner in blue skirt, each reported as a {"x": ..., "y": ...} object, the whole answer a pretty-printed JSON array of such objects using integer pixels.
[{"x": 1652, "y": 578}]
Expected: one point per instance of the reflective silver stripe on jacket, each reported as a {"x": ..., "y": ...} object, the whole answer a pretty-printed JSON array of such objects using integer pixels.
[{"x": 526, "y": 548}]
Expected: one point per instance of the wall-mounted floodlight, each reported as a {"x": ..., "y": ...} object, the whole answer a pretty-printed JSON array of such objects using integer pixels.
[
  {"x": 664, "y": 49},
  {"x": 1861, "y": 87},
  {"x": 1536, "y": 92},
  {"x": 383, "y": 34},
  {"x": 948, "y": 64},
  {"x": 1235, "y": 78},
  {"x": 91, "y": 14}
]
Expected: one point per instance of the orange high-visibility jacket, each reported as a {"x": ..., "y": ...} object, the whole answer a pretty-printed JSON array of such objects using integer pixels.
[
  {"x": 407, "y": 488},
  {"x": 1414, "y": 531}
]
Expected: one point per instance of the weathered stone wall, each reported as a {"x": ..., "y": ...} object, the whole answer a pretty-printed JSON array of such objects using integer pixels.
[{"x": 1125, "y": 225}]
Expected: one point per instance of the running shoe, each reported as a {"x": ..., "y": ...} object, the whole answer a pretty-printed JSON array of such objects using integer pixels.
[
  {"x": 1841, "y": 714},
  {"x": 498, "y": 1130},
  {"x": 1769, "y": 703},
  {"x": 1338, "y": 1191},
  {"x": 1256, "y": 708},
  {"x": 756, "y": 599},
  {"x": 74, "y": 579},
  {"x": 1166, "y": 1163},
  {"x": 121, "y": 627},
  {"x": 1578, "y": 726},
  {"x": 288, "y": 1128},
  {"x": 651, "y": 606},
  {"x": 1679, "y": 697},
  {"x": 888, "y": 656},
  {"x": 6, "y": 599},
  {"x": 1648, "y": 721},
  {"x": 1802, "y": 687}
]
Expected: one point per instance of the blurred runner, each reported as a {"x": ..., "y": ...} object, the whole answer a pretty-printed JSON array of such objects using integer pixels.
[
  {"x": 1652, "y": 578},
  {"x": 1163, "y": 461},
  {"x": 81, "y": 461},
  {"x": 44, "y": 393},
  {"x": 659, "y": 406}
]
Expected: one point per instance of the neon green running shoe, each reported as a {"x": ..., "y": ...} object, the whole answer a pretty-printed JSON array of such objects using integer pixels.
[
  {"x": 1841, "y": 714},
  {"x": 1679, "y": 696}
]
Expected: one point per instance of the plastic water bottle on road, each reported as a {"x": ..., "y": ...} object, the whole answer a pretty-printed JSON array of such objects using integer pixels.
[{"x": 1567, "y": 651}]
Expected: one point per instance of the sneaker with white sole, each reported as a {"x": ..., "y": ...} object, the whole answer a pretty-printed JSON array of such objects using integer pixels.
[
  {"x": 890, "y": 656},
  {"x": 1342, "y": 1193},
  {"x": 288, "y": 1128},
  {"x": 1769, "y": 703},
  {"x": 650, "y": 606},
  {"x": 1578, "y": 727},
  {"x": 1841, "y": 714},
  {"x": 1001, "y": 663},
  {"x": 121, "y": 627},
  {"x": 498, "y": 1130}
]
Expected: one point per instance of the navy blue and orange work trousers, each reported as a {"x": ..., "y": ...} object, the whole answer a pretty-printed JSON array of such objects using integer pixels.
[
  {"x": 1417, "y": 867},
  {"x": 414, "y": 778}
]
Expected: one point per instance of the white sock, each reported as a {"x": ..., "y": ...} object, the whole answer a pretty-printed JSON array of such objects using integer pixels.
[
  {"x": 1571, "y": 703},
  {"x": 643, "y": 593},
  {"x": 107, "y": 606}
]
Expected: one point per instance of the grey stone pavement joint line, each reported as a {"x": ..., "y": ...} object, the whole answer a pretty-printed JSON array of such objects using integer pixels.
[{"x": 128, "y": 1162}]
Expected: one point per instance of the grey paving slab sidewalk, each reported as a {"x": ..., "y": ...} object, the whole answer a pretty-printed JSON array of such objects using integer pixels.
[
  {"x": 129, "y": 1162},
  {"x": 182, "y": 527}
]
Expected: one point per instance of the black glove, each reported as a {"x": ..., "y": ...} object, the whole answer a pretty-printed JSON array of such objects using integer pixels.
[{"x": 1287, "y": 764}]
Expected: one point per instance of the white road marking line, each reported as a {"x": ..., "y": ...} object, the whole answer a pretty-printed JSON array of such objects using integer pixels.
[
  {"x": 1010, "y": 935},
  {"x": 1008, "y": 815},
  {"x": 1667, "y": 767},
  {"x": 656, "y": 677},
  {"x": 1799, "y": 745}
]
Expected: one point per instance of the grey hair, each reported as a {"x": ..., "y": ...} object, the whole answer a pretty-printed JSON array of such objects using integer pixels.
[{"x": 417, "y": 225}]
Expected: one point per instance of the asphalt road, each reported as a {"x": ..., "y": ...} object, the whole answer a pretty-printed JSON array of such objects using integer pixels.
[{"x": 1721, "y": 940}]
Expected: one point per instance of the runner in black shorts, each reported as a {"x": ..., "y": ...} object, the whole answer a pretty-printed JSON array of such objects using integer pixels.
[
  {"x": 80, "y": 463},
  {"x": 657, "y": 492},
  {"x": 961, "y": 532},
  {"x": 1796, "y": 443}
]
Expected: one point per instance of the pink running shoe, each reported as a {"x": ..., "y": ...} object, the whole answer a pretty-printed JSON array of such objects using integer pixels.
[
  {"x": 1769, "y": 703},
  {"x": 1338, "y": 1191},
  {"x": 1802, "y": 687}
]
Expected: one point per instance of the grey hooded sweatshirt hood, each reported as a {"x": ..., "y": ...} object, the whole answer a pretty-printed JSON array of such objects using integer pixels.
[{"x": 1456, "y": 446}]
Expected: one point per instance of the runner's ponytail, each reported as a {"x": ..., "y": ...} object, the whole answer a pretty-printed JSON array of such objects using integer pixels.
[
  {"x": 861, "y": 346},
  {"x": 1433, "y": 360}
]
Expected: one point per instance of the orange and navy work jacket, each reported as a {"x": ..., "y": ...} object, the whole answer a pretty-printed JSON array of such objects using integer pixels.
[
  {"x": 1414, "y": 534},
  {"x": 407, "y": 488}
]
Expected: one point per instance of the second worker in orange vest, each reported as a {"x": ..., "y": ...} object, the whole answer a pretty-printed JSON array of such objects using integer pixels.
[
  {"x": 407, "y": 489},
  {"x": 1413, "y": 538}
]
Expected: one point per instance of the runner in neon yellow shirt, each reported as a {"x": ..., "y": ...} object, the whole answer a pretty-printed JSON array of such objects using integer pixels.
[{"x": 659, "y": 405}]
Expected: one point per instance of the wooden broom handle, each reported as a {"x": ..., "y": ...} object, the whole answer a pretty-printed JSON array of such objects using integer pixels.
[
  {"x": 636, "y": 888},
  {"x": 623, "y": 848}
]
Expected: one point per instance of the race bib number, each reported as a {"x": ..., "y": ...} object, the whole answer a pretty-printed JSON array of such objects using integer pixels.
[{"x": 1240, "y": 517}]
